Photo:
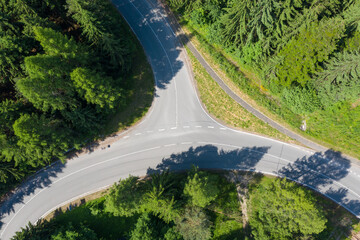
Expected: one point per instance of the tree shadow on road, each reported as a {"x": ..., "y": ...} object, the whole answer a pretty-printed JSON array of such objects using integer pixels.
[
  {"x": 164, "y": 50},
  {"x": 322, "y": 172},
  {"x": 211, "y": 157},
  {"x": 39, "y": 181}
]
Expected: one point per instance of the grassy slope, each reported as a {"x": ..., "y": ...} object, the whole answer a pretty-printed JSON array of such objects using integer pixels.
[
  {"x": 324, "y": 129},
  {"x": 223, "y": 107}
]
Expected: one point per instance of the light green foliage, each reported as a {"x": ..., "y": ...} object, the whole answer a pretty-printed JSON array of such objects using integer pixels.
[
  {"x": 159, "y": 198},
  {"x": 302, "y": 55},
  {"x": 96, "y": 88},
  {"x": 226, "y": 228},
  {"x": 194, "y": 224},
  {"x": 339, "y": 121},
  {"x": 340, "y": 80},
  {"x": 251, "y": 53},
  {"x": 301, "y": 100},
  {"x": 124, "y": 198},
  {"x": 352, "y": 16},
  {"x": 161, "y": 207},
  {"x": 70, "y": 233},
  {"x": 56, "y": 44},
  {"x": 281, "y": 210},
  {"x": 201, "y": 188},
  {"x": 41, "y": 138}
]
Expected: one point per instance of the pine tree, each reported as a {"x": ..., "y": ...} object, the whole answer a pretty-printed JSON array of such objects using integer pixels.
[{"x": 340, "y": 80}]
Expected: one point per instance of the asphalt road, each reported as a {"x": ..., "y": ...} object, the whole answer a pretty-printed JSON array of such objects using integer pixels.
[{"x": 175, "y": 134}]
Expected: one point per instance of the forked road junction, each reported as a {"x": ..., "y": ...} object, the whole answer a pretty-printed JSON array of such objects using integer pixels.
[{"x": 176, "y": 133}]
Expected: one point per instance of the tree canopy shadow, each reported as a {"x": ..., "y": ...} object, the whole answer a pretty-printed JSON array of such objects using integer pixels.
[
  {"x": 211, "y": 157},
  {"x": 38, "y": 181},
  {"x": 165, "y": 48},
  {"x": 322, "y": 172}
]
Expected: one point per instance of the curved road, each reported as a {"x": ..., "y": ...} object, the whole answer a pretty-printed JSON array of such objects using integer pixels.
[{"x": 175, "y": 134}]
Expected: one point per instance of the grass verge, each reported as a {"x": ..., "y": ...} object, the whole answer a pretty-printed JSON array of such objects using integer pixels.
[{"x": 226, "y": 109}]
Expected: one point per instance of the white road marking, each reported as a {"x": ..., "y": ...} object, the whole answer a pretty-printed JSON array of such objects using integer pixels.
[
  {"x": 198, "y": 126},
  {"x": 210, "y": 126},
  {"x": 161, "y": 130},
  {"x": 137, "y": 134},
  {"x": 173, "y": 128},
  {"x": 168, "y": 58},
  {"x": 169, "y": 145},
  {"x": 80, "y": 170},
  {"x": 126, "y": 137},
  {"x": 185, "y": 143},
  {"x": 222, "y": 128}
]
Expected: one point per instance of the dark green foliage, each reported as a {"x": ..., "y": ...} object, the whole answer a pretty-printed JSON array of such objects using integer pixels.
[
  {"x": 102, "y": 31},
  {"x": 47, "y": 86},
  {"x": 50, "y": 99},
  {"x": 281, "y": 210},
  {"x": 149, "y": 227},
  {"x": 35, "y": 232},
  {"x": 70, "y": 233},
  {"x": 144, "y": 229}
]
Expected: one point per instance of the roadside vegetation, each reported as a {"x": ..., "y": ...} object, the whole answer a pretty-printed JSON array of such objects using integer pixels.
[
  {"x": 295, "y": 60},
  {"x": 200, "y": 205},
  {"x": 226, "y": 109},
  {"x": 67, "y": 77}
]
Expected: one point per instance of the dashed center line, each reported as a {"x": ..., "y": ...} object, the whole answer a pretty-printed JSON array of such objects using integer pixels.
[
  {"x": 169, "y": 145},
  {"x": 184, "y": 143},
  {"x": 198, "y": 126},
  {"x": 161, "y": 130},
  {"x": 173, "y": 128},
  {"x": 210, "y": 126},
  {"x": 137, "y": 134},
  {"x": 126, "y": 137},
  {"x": 222, "y": 128}
]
